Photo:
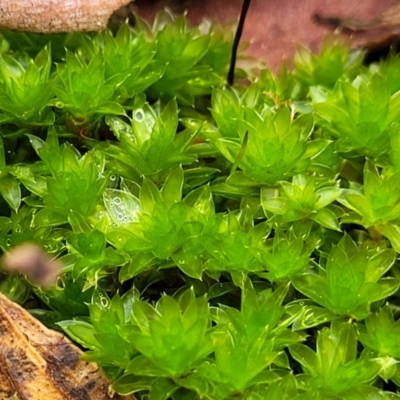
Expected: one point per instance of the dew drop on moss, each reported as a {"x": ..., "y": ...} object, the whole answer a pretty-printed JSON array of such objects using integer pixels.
[
  {"x": 138, "y": 115},
  {"x": 103, "y": 301}
]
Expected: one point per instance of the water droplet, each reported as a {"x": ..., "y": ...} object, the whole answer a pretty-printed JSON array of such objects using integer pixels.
[
  {"x": 103, "y": 301},
  {"x": 120, "y": 216},
  {"x": 18, "y": 229},
  {"x": 113, "y": 177},
  {"x": 117, "y": 200},
  {"x": 8, "y": 242},
  {"x": 138, "y": 115}
]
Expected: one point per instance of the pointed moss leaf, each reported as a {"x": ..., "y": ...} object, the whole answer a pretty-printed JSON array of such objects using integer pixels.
[
  {"x": 388, "y": 367},
  {"x": 123, "y": 207},
  {"x": 11, "y": 192},
  {"x": 138, "y": 264},
  {"x": 149, "y": 196},
  {"x": 324, "y": 69},
  {"x": 141, "y": 365},
  {"x": 78, "y": 223},
  {"x": 347, "y": 286},
  {"x": 335, "y": 357},
  {"x": 392, "y": 232},
  {"x": 326, "y": 218},
  {"x": 2, "y": 156},
  {"x": 110, "y": 108},
  {"x": 307, "y": 316},
  {"x": 163, "y": 389},
  {"x": 380, "y": 333},
  {"x": 119, "y": 127},
  {"x": 379, "y": 264},
  {"x": 129, "y": 383},
  {"x": 305, "y": 356},
  {"x": 181, "y": 338},
  {"x": 172, "y": 188},
  {"x": 82, "y": 332}
]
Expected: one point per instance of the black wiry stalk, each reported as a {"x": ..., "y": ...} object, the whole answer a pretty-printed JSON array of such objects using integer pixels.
[{"x": 236, "y": 40}]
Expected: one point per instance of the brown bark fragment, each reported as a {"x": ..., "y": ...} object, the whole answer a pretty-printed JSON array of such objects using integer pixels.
[
  {"x": 37, "y": 363},
  {"x": 50, "y": 16}
]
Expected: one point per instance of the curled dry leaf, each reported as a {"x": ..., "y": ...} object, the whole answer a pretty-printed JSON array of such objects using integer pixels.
[
  {"x": 375, "y": 34},
  {"x": 29, "y": 259},
  {"x": 388, "y": 19},
  {"x": 37, "y": 363},
  {"x": 44, "y": 16}
]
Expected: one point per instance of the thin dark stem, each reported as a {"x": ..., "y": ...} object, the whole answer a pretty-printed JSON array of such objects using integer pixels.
[{"x": 236, "y": 40}]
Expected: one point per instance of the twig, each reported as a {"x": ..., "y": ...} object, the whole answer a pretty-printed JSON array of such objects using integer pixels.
[{"x": 236, "y": 40}]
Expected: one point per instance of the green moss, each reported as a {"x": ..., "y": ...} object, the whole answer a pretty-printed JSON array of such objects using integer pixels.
[{"x": 207, "y": 231}]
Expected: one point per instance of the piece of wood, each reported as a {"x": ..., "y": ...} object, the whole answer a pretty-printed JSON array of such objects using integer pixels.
[
  {"x": 37, "y": 363},
  {"x": 54, "y": 16}
]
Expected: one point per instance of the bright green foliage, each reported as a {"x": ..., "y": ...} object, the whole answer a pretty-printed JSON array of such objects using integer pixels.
[
  {"x": 351, "y": 280},
  {"x": 83, "y": 90},
  {"x": 251, "y": 339},
  {"x": 247, "y": 341},
  {"x": 76, "y": 182},
  {"x": 381, "y": 333},
  {"x": 229, "y": 109},
  {"x": 9, "y": 187},
  {"x": 26, "y": 89},
  {"x": 283, "y": 389},
  {"x": 334, "y": 61},
  {"x": 194, "y": 61},
  {"x": 334, "y": 371},
  {"x": 361, "y": 114},
  {"x": 205, "y": 231},
  {"x": 173, "y": 337},
  {"x": 65, "y": 301},
  {"x": 89, "y": 255},
  {"x": 303, "y": 198},
  {"x": 232, "y": 242},
  {"x": 127, "y": 54},
  {"x": 154, "y": 226},
  {"x": 282, "y": 87},
  {"x": 286, "y": 255},
  {"x": 151, "y": 145},
  {"x": 103, "y": 335},
  {"x": 389, "y": 69},
  {"x": 21, "y": 227},
  {"x": 376, "y": 204},
  {"x": 11, "y": 191},
  {"x": 275, "y": 147}
]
